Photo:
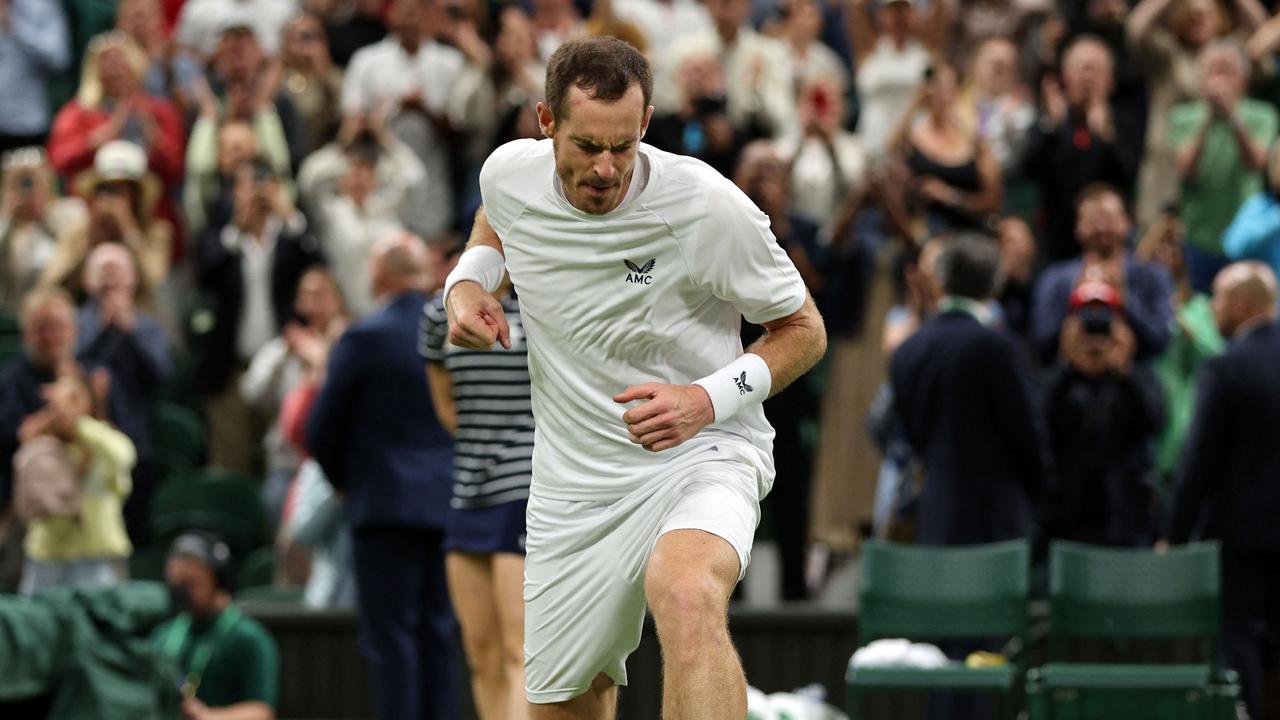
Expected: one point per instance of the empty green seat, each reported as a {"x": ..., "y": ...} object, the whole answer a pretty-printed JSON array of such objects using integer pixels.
[
  {"x": 179, "y": 433},
  {"x": 9, "y": 325},
  {"x": 147, "y": 563},
  {"x": 225, "y": 505},
  {"x": 257, "y": 569},
  {"x": 955, "y": 676},
  {"x": 932, "y": 593},
  {"x": 1116, "y": 594}
]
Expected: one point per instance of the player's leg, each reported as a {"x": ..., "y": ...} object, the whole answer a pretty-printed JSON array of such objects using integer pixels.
[
  {"x": 508, "y": 588},
  {"x": 473, "y": 589},
  {"x": 690, "y": 576},
  {"x": 584, "y": 602},
  {"x": 599, "y": 702}
]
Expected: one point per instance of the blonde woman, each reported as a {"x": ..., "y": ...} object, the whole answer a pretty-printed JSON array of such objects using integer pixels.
[{"x": 112, "y": 105}]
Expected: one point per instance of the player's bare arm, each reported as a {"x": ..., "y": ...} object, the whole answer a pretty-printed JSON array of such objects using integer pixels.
[
  {"x": 476, "y": 318},
  {"x": 672, "y": 414},
  {"x": 792, "y": 345}
]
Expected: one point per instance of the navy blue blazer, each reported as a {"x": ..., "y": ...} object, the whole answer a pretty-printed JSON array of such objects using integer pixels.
[
  {"x": 373, "y": 427},
  {"x": 1229, "y": 480},
  {"x": 965, "y": 396}
]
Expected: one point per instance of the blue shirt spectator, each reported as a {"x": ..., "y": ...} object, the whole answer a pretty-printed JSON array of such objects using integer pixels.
[
  {"x": 33, "y": 46},
  {"x": 1254, "y": 234}
]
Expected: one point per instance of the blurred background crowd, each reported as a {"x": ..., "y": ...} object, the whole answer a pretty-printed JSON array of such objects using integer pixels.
[{"x": 191, "y": 192}]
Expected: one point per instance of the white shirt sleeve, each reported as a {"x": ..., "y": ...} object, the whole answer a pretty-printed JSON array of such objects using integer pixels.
[
  {"x": 736, "y": 257},
  {"x": 497, "y": 177},
  {"x": 354, "y": 97}
]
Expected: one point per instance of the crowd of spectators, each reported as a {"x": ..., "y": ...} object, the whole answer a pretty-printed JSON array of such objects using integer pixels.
[{"x": 191, "y": 191}]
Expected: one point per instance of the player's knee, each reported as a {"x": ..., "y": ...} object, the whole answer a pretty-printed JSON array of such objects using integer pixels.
[{"x": 687, "y": 607}]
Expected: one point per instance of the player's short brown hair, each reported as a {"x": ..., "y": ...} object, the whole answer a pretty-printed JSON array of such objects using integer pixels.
[{"x": 603, "y": 67}]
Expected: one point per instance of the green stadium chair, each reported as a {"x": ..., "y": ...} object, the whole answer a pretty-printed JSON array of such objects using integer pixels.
[
  {"x": 929, "y": 593},
  {"x": 257, "y": 569},
  {"x": 147, "y": 563},
  {"x": 178, "y": 432},
  {"x": 170, "y": 463},
  {"x": 1117, "y": 594},
  {"x": 222, "y": 504},
  {"x": 179, "y": 388}
]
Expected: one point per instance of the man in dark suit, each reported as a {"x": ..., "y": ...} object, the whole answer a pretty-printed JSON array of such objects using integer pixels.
[
  {"x": 964, "y": 394},
  {"x": 247, "y": 271},
  {"x": 374, "y": 431},
  {"x": 1229, "y": 481}
]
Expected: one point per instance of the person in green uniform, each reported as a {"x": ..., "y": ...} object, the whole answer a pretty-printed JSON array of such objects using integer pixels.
[{"x": 228, "y": 664}]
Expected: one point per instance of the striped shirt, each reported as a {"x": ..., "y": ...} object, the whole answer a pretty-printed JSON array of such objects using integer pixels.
[{"x": 493, "y": 449}]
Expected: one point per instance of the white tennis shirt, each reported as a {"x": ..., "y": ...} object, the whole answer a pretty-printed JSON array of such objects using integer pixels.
[{"x": 653, "y": 291}]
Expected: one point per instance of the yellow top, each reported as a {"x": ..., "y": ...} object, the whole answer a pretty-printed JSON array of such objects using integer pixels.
[{"x": 107, "y": 456}]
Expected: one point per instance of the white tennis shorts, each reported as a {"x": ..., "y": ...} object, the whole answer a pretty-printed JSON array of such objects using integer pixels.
[{"x": 585, "y": 565}]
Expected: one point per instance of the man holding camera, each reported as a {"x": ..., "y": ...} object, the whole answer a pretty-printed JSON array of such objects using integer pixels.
[
  {"x": 1102, "y": 414},
  {"x": 700, "y": 127},
  {"x": 247, "y": 270},
  {"x": 32, "y": 219},
  {"x": 1102, "y": 228}
]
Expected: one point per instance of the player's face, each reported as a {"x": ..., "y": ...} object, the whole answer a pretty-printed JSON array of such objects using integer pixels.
[{"x": 595, "y": 146}]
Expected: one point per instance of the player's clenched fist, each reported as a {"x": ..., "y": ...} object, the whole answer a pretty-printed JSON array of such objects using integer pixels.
[
  {"x": 476, "y": 318},
  {"x": 670, "y": 415}
]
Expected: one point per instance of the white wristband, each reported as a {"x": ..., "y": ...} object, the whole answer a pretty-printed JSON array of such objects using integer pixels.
[
  {"x": 483, "y": 264},
  {"x": 742, "y": 383}
]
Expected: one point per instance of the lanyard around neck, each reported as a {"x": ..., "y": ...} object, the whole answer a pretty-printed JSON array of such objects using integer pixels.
[{"x": 177, "y": 635}]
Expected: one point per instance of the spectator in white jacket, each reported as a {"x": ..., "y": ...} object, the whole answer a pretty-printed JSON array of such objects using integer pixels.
[{"x": 357, "y": 191}]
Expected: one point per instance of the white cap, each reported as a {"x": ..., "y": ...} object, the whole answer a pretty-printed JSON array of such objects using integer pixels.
[
  {"x": 235, "y": 18},
  {"x": 120, "y": 160}
]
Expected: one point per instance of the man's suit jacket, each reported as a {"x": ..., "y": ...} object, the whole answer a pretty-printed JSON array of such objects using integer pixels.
[
  {"x": 1229, "y": 481},
  {"x": 221, "y": 279},
  {"x": 965, "y": 397},
  {"x": 373, "y": 427}
]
